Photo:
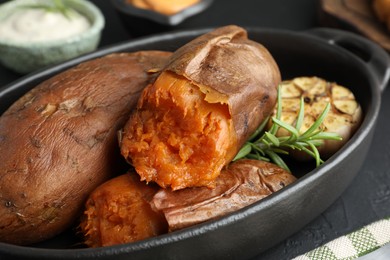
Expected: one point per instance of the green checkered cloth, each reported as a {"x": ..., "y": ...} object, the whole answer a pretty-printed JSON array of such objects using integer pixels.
[{"x": 353, "y": 245}]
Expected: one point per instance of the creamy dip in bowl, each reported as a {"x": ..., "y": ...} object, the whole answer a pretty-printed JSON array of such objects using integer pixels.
[
  {"x": 39, "y": 25},
  {"x": 32, "y": 37}
]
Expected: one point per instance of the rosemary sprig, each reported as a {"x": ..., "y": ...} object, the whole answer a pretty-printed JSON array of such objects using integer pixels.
[
  {"x": 266, "y": 146},
  {"x": 55, "y": 6}
]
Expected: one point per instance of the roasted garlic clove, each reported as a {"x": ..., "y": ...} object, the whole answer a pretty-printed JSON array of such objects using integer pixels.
[{"x": 343, "y": 118}]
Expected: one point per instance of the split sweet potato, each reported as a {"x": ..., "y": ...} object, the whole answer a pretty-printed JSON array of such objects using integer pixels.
[
  {"x": 125, "y": 209},
  {"x": 207, "y": 101},
  {"x": 240, "y": 184},
  {"x": 59, "y": 142}
]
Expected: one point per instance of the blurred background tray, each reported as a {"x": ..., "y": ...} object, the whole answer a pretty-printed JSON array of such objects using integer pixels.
[{"x": 354, "y": 15}]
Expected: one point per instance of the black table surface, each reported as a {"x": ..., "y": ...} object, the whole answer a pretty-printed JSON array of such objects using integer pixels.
[{"x": 368, "y": 198}]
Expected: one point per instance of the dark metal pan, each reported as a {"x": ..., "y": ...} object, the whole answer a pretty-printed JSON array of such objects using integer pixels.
[{"x": 335, "y": 55}]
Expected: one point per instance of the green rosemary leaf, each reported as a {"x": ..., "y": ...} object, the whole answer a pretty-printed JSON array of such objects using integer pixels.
[
  {"x": 312, "y": 134},
  {"x": 244, "y": 151},
  {"x": 252, "y": 156},
  {"x": 273, "y": 139},
  {"x": 298, "y": 145},
  {"x": 259, "y": 130},
  {"x": 326, "y": 136},
  {"x": 316, "y": 154},
  {"x": 305, "y": 142},
  {"x": 274, "y": 128},
  {"x": 291, "y": 139},
  {"x": 316, "y": 142},
  {"x": 286, "y": 126},
  {"x": 277, "y": 160},
  {"x": 292, "y": 146},
  {"x": 305, "y": 149},
  {"x": 317, "y": 123},
  {"x": 258, "y": 148},
  {"x": 258, "y": 157},
  {"x": 265, "y": 142},
  {"x": 280, "y": 151}
]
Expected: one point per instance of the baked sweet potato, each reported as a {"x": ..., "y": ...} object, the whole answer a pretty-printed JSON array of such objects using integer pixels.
[
  {"x": 240, "y": 184},
  {"x": 124, "y": 209},
  {"x": 59, "y": 142},
  {"x": 118, "y": 212},
  {"x": 192, "y": 121}
]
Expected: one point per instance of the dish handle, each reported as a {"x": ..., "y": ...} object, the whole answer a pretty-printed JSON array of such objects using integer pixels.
[{"x": 375, "y": 57}]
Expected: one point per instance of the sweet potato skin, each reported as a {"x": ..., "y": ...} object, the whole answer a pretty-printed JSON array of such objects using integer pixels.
[
  {"x": 59, "y": 141},
  {"x": 234, "y": 70},
  {"x": 240, "y": 184}
]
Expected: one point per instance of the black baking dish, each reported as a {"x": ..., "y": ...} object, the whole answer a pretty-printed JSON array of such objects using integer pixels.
[
  {"x": 338, "y": 56},
  {"x": 140, "y": 22}
]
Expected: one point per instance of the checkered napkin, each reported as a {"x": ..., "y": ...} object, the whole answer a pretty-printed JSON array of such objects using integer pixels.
[{"x": 353, "y": 245}]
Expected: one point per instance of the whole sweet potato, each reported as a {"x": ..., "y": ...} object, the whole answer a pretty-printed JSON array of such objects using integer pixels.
[
  {"x": 59, "y": 142},
  {"x": 191, "y": 122}
]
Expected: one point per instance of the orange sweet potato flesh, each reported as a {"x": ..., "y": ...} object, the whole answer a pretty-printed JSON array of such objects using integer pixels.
[
  {"x": 240, "y": 184},
  {"x": 119, "y": 212},
  {"x": 172, "y": 142},
  {"x": 59, "y": 142},
  {"x": 208, "y": 100}
]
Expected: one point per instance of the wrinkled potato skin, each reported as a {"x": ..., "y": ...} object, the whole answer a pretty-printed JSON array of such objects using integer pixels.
[
  {"x": 240, "y": 71},
  {"x": 58, "y": 142},
  {"x": 240, "y": 184}
]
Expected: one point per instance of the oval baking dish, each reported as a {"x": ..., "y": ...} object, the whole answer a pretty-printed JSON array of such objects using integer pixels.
[{"x": 338, "y": 56}]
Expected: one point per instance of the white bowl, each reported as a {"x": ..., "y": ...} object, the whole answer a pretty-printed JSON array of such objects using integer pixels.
[{"x": 25, "y": 57}]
